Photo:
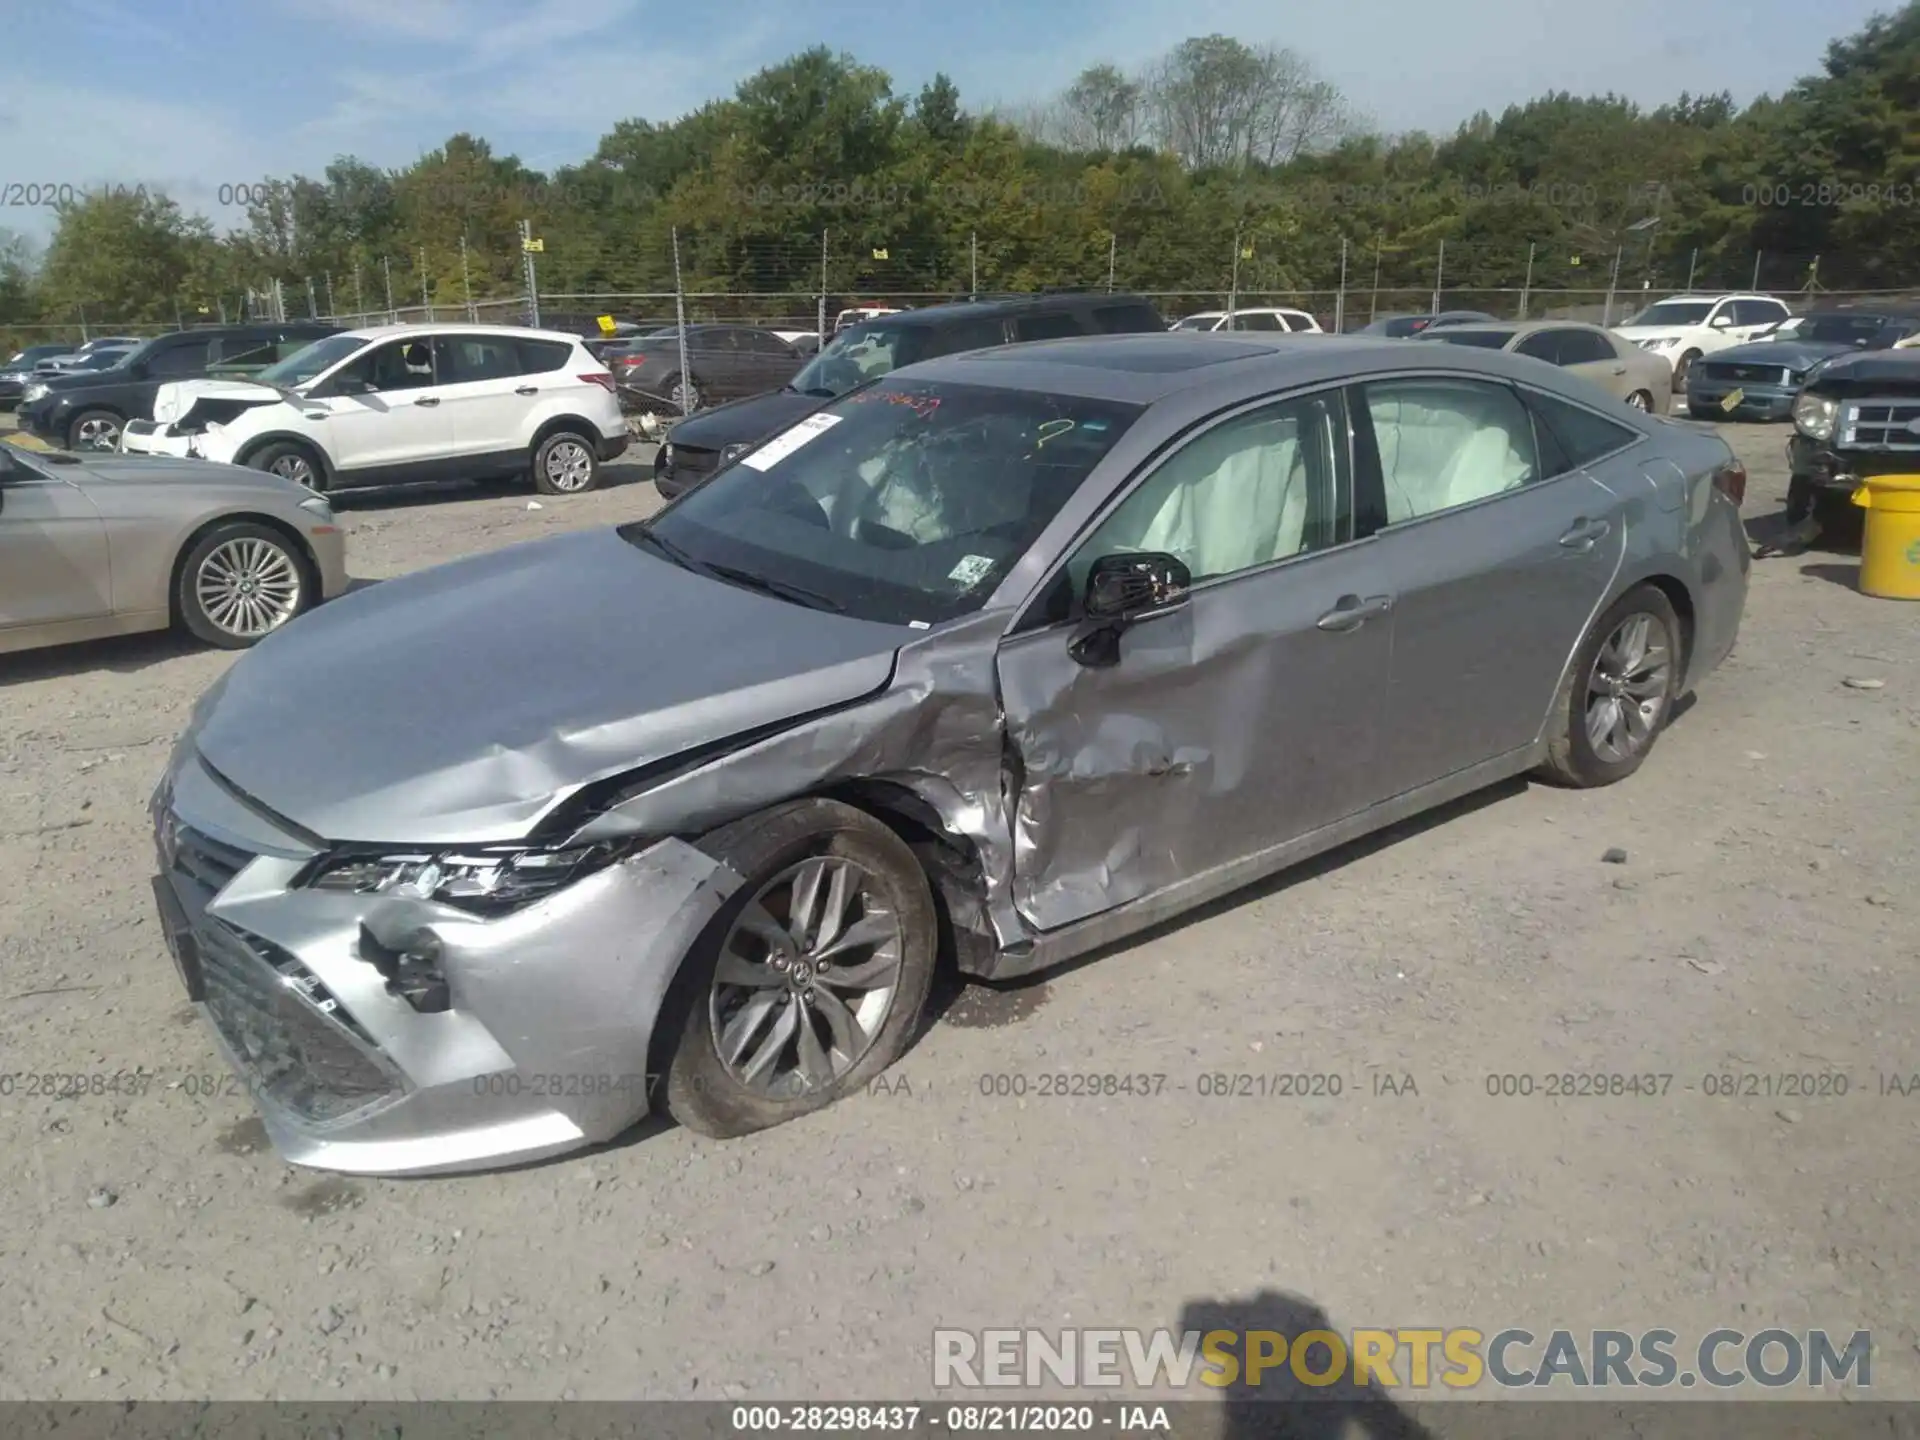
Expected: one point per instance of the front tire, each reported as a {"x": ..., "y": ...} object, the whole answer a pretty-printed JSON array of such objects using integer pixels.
[
  {"x": 93, "y": 430},
  {"x": 565, "y": 463},
  {"x": 1801, "y": 498},
  {"x": 1619, "y": 692},
  {"x": 1642, "y": 401},
  {"x": 290, "y": 461},
  {"x": 812, "y": 978},
  {"x": 1681, "y": 367},
  {"x": 242, "y": 581}
]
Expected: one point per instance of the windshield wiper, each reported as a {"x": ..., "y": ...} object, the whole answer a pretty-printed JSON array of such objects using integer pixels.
[
  {"x": 766, "y": 584},
  {"x": 672, "y": 551},
  {"x": 817, "y": 390}
]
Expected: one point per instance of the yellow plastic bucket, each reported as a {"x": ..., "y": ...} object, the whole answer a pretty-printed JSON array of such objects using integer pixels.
[{"x": 1890, "y": 548}]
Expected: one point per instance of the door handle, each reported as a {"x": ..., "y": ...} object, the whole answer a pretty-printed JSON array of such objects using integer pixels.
[
  {"x": 1351, "y": 612},
  {"x": 1584, "y": 534},
  {"x": 428, "y": 400},
  {"x": 1619, "y": 369},
  {"x": 526, "y": 390}
]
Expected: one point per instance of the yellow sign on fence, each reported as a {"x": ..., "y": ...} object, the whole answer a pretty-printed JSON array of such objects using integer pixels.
[{"x": 607, "y": 325}]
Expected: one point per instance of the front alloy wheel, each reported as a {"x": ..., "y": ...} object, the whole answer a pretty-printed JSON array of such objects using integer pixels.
[
  {"x": 240, "y": 583},
  {"x": 810, "y": 980},
  {"x": 805, "y": 979}
]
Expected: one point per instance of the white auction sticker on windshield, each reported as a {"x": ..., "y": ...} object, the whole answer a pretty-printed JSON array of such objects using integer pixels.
[
  {"x": 971, "y": 570},
  {"x": 788, "y": 441}
]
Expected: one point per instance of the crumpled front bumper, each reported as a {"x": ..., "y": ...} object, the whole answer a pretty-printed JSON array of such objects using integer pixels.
[
  {"x": 145, "y": 437},
  {"x": 542, "y": 1049}
]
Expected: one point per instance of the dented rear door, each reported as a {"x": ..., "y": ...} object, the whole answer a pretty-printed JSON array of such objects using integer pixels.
[{"x": 1229, "y": 725}]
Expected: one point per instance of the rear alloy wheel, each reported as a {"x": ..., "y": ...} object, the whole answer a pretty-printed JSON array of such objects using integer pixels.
[
  {"x": 289, "y": 462},
  {"x": 1619, "y": 692},
  {"x": 565, "y": 464},
  {"x": 240, "y": 583},
  {"x": 1642, "y": 401},
  {"x": 684, "y": 393},
  {"x": 94, "y": 430},
  {"x": 810, "y": 981}
]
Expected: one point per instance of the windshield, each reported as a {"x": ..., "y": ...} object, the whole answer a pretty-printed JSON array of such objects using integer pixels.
[
  {"x": 1675, "y": 312},
  {"x": 304, "y": 365},
  {"x": 1828, "y": 329},
  {"x": 858, "y": 355},
  {"x": 1460, "y": 335},
  {"x": 903, "y": 503},
  {"x": 1198, "y": 322}
]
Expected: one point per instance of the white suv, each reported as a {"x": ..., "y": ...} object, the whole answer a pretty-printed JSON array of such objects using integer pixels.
[
  {"x": 1262, "y": 317},
  {"x": 404, "y": 403},
  {"x": 1682, "y": 328}
]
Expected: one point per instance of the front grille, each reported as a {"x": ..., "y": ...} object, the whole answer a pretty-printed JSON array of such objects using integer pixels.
[
  {"x": 298, "y": 1047},
  {"x": 1750, "y": 374},
  {"x": 689, "y": 460},
  {"x": 1891, "y": 423},
  {"x": 202, "y": 865}
]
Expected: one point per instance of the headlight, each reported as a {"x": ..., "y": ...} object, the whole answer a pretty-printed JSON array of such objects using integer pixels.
[
  {"x": 34, "y": 391},
  {"x": 317, "y": 506},
  {"x": 733, "y": 452},
  {"x": 486, "y": 882},
  {"x": 1815, "y": 414},
  {"x": 1663, "y": 343}
]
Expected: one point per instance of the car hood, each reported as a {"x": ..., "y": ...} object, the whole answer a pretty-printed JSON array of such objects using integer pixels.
[
  {"x": 751, "y": 419},
  {"x": 461, "y": 704},
  {"x": 209, "y": 399},
  {"x": 171, "y": 470},
  {"x": 1794, "y": 354},
  {"x": 1890, "y": 372}
]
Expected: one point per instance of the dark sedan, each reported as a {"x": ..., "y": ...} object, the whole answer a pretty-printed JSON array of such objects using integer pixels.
[
  {"x": 19, "y": 368},
  {"x": 723, "y": 362},
  {"x": 1758, "y": 380}
]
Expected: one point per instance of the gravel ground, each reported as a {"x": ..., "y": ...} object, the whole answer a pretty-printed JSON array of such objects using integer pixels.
[{"x": 1761, "y": 922}]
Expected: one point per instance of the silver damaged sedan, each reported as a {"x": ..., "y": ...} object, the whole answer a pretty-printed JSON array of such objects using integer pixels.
[{"x": 1002, "y": 658}]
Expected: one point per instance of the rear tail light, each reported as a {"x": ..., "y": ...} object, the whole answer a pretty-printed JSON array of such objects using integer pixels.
[
  {"x": 1731, "y": 481},
  {"x": 600, "y": 378}
]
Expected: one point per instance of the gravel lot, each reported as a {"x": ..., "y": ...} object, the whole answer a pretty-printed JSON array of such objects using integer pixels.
[{"x": 1762, "y": 922}]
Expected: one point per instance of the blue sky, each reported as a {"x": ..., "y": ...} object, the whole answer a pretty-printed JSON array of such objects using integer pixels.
[{"x": 190, "y": 95}]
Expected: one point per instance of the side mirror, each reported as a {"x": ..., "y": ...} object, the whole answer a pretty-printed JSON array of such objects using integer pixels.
[
  {"x": 1123, "y": 589},
  {"x": 1721, "y": 322}
]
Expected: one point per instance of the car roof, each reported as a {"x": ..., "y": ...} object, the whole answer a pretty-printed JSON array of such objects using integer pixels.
[
  {"x": 1146, "y": 368},
  {"x": 930, "y": 315},
  {"x": 394, "y": 332},
  {"x": 1527, "y": 327}
]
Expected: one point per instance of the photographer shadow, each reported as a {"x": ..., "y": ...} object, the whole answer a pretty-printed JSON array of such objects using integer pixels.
[{"x": 1279, "y": 1406}]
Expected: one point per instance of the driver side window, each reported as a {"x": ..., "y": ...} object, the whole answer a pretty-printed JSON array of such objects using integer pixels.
[{"x": 1262, "y": 487}]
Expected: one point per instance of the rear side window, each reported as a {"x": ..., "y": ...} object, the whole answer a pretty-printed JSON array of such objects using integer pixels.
[
  {"x": 1584, "y": 347},
  {"x": 968, "y": 335},
  {"x": 538, "y": 357},
  {"x": 1057, "y": 326},
  {"x": 187, "y": 358},
  {"x": 1257, "y": 320},
  {"x": 1541, "y": 345},
  {"x": 242, "y": 350},
  {"x": 1126, "y": 320},
  {"x": 466, "y": 358},
  {"x": 1579, "y": 436}
]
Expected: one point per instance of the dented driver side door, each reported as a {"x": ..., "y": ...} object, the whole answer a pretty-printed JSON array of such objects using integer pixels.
[{"x": 1230, "y": 724}]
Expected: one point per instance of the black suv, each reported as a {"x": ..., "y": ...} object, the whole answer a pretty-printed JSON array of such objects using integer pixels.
[
  {"x": 85, "y": 410},
  {"x": 700, "y": 444},
  {"x": 1857, "y": 415}
]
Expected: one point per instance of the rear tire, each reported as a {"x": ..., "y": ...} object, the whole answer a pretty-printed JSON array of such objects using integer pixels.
[
  {"x": 565, "y": 463},
  {"x": 241, "y": 582},
  {"x": 739, "y": 988},
  {"x": 674, "y": 387},
  {"x": 1641, "y": 400},
  {"x": 1619, "y": 692}
]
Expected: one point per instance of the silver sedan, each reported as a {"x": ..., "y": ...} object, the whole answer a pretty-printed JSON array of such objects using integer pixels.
[
  {"x": 1001, "y": 659},
  {"x": 101, "y": 545}
]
